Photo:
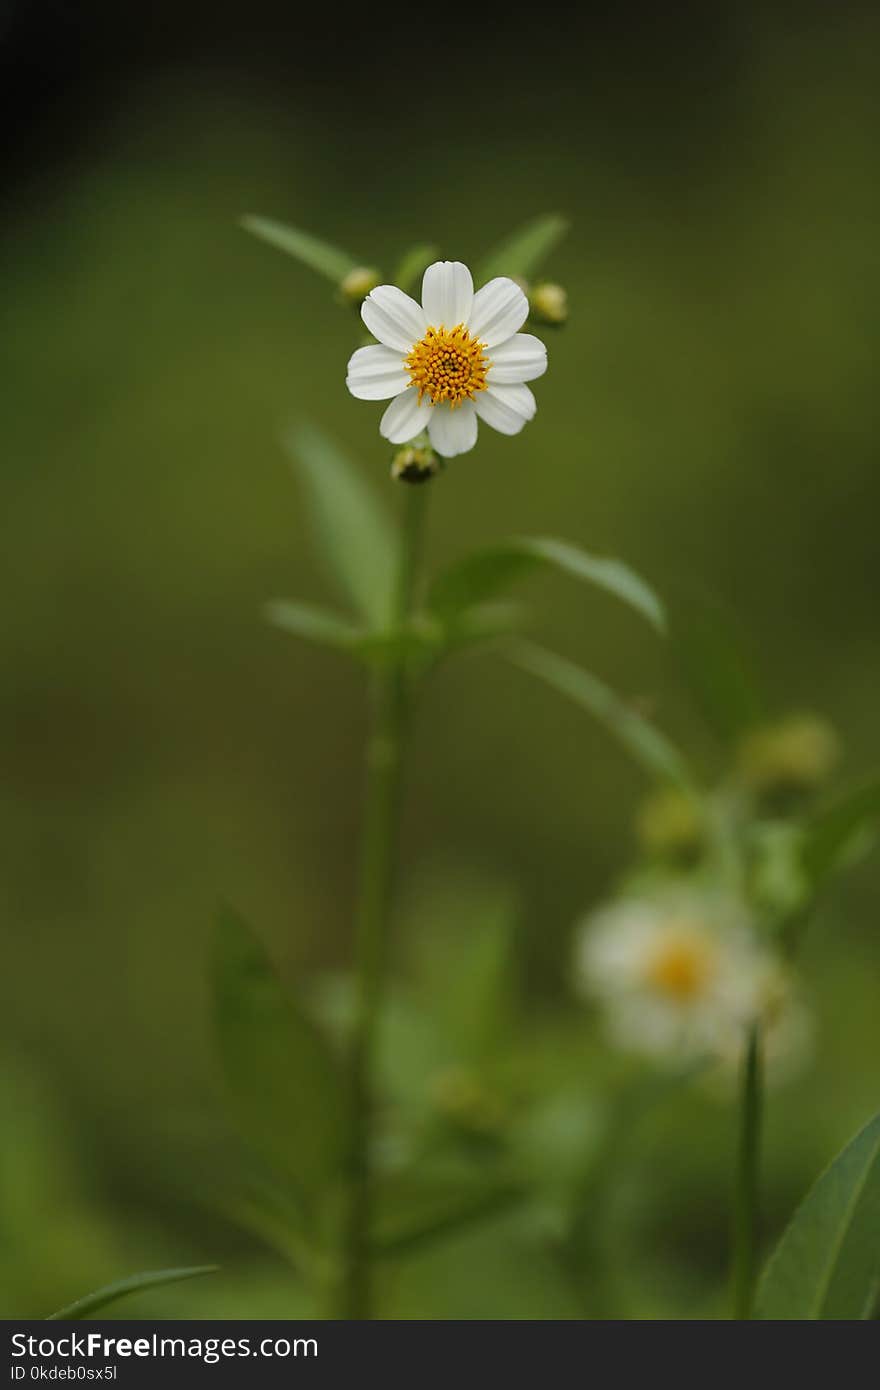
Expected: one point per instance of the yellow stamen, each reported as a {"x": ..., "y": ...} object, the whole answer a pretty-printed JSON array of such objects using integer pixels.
[
  {"x": 680, "y": 967},
  {"x": 448, "y": 365}
]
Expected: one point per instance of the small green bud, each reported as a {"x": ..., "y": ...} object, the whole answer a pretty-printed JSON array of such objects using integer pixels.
[
  {"x": 777, "y": 881},
  {"x": 548, "y": 303},
  {"x": 670, "y": 825},
  {"x": 357, "y": 284},
  {"x": 785, "y": 760},
  {"x": 414, "y": 463},
  {"x": 461, "y": 1097}
]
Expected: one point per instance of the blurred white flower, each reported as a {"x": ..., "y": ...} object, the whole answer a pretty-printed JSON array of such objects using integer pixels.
[
  {"x": 682, "y": 977},
  {"x": 456, "y": 357}
]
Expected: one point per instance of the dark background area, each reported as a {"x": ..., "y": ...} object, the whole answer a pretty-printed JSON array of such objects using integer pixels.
[{"x": 709, "y": 416}]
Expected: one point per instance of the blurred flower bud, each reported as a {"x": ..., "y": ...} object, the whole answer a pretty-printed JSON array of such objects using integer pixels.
[
  {"x": 548, "y": 304},
  {"x": 777, "y": 881},
  {"x": 414, "y": 463},
  {"x": 788, "y": 759},
  {"x": 357, "y": 285},
  {"x": 670, "y": 825},
  {"x": 463, "y": 1099}
]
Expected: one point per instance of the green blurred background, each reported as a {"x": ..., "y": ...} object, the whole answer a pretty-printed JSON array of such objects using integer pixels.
[{"x": 709, "y": 416}]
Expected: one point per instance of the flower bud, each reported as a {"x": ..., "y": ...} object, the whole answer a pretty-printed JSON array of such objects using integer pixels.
[
  {"x": 357, "y": 284},
  {"x": 461, "y": 1097},
  {"x": 414, "y": 463},
  {"x": 548, "y": 303},
  {"x": 785, "y": 760},
  {"x": 670, "y": 826}
]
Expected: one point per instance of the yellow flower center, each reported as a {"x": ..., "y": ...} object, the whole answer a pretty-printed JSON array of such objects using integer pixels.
[
  {"x": 680, "y": 967},
  {"x": 448, "y": 365}
]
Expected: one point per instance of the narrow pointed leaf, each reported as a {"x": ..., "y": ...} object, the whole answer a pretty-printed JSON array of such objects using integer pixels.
[
  {"x": 522, "y": 253},
  {"x": 483, "y": 622},
  {"x": 412, "y": 267},
  {"x": 352, "y": 533},
  {"x": 477, "y": 578},
  {"x": 827, "y": 1263},
  {"x": 425, "y": 639},
  {"x": 309, "y": 250},
  {"x": 488, "y": 573},
  {"x": 286, "y": 1089},
  {"x": 420, "y": 640},
  {"x": 650, "y": 748},
  {"x": 422, "y": 1214},
  {"x": 134, "y": 1283},
  {"x": 314, "y": 624},
  {"x": 835, "y": 834},
  {"x": 466, "y": 964},
  {"x": 268, "y": 1211},
  {"x": 713, "y": 658}
]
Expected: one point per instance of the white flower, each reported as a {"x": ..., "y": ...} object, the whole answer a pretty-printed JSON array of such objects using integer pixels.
[
  {"x": 682, "y": 976},
  {"x": 456, "y": 357}
]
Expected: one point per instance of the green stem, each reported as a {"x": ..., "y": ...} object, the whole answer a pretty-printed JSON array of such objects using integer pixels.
[
  {"x": 390, "y": 709},
  {"x": 745, "y": 1210}
]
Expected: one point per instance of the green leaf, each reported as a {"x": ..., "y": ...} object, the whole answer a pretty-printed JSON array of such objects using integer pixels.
[
  {"x": 827, "y": 1263},
  {"x": 834, "y": 835},
  {"x": 413, "y": 265},
  {"x": 267, "y": 1211},
  {"x": 425, "y": 640},
  {"x": 314, "y": 624},
  {"x": 286, "y": 1089},
  {"x": 713, "y": 659},
  {"x": 463, "y": 931},
  {"x": 309, "y": 250},
  {"x": 353, "y": 534},
  {"x": 482, "y": 622},
  {"x": 778, "y": 883},
  {"x": 152, "y": 1279},
  {"x": 421, "y": 639},
  {"x": 645, "y": 743},
  {"x": 416, "y": 1213},
  {"x": 522, "y": 253},
  {"x": 487, "y": 573},
  {"x": 411, "y": 1045}
]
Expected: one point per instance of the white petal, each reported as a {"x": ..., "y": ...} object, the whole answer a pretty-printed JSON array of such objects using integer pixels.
[
  {"x": 453, "y": 431},
  {"x": 521, "y": 358},
  {"x": 506, "y": 408},
  {"x": 447, "y": 293},
  {"x": 405, "y": 418},
  {"x": 393, "y": 318},
  {"x": 499, "y": 309},
  {"x": 376, "y": 374}
]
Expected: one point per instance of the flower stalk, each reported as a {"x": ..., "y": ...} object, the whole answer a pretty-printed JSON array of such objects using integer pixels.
[
  {"x": 745, "y": 1207},
  {"x": 390, "y": 702}
]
